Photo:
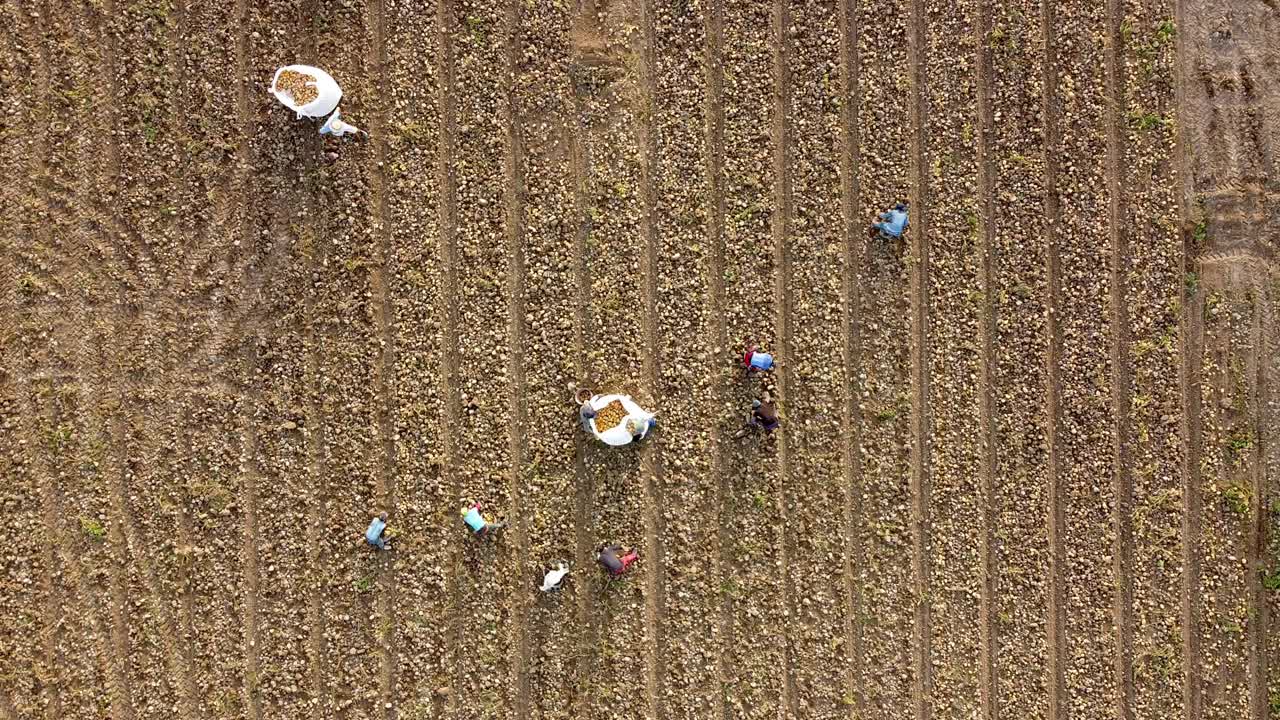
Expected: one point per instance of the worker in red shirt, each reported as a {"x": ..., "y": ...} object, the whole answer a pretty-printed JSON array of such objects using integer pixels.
[
  {"x": 615, "y": 565},
  {"x": 753, "y": 360}
]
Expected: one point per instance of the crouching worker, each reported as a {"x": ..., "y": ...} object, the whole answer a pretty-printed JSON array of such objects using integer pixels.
[
  {"x": 478, "y": 523},
  {"x": 615, "y": 565},
  {"x": 376, "y": 534},
  {"x": 764, "y": 416},
  {"x": 756, "y": 361}
]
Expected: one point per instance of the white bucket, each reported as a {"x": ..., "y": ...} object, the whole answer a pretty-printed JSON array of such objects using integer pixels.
[{"x": 329, "y": 92}]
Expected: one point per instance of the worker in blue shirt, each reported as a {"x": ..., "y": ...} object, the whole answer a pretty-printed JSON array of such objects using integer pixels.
[
  {"x": 374, "y": 535},
  {"x": 893, "y": 223},
  {"x": 479, "y": 524}
]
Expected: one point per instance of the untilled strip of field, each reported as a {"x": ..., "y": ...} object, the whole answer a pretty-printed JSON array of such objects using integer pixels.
[
  {"x": 756, "y": 674},
  {"x": 1227, "y": 614},
  {"x": 1154, "y": 287},
  {"x": 425, "y": 497},
  {"x": 812, "y": 369},
  {"x": 686, "y": 377},
  {"x": 1018, "y": 294},
  {"x": 484, "y": 463},
  {"x": 952, "y": 282},
  {"x": 1083, "y": 348},
  {"x": 558, "y": 659},
  {"x": 885, "y": 566},
  {"x": 625, "y": 677}
]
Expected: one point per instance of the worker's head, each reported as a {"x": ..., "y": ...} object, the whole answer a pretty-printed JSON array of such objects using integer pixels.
[
  {"x": 755, "y": 403},
  {"x": 382, "y": 516},
  {"x": 901, "y": 207}
]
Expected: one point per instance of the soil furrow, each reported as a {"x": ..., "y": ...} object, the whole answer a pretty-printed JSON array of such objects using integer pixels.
[
  {"x": 384, "y": 377},
  {"x": 921, "y": 411},
  {"x": 1121, "y": 372},
  {"x": 1190, "y": 344},
  {"x": 315, "y": 422},
  {"x": 1055, "y": 623},
  {"x": 447, "y": 251},
  {"x": 1260, "y": 507},
  {"x": 652, "y": 470},
  {"x": 250, "y": 476},
  {"x": 989, "y": 631},
  {"x": 853, "y": 254},
  {"x": 713, "y": 62},
  {"x": 583, "y": 327},
  {"x": 781, "y": 226},
  {"x": 513, "y": 199}
]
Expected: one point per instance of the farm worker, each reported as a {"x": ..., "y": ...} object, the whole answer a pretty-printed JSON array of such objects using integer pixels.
[
  {"x": 554, "y": 577},
  {"x": 893, "y": 223},
  {"x": 608, "y": 557},
  {"x": 764, "y": 416},
  {"x": 585, "y": 414},
  {"x": 377, "y": 528},
  {"x": 756, "y": 361},
  {"x": 477, "y": 522},
  {"x": 639, "y": 428},
  {"x": 337, "y": 128}
]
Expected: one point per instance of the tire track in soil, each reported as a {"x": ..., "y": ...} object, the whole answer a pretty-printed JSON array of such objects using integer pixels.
[
  {"x": 584, "y": 495},
  {"x": 319, "y": 493},
  {"x": 513, "y": 201},
  {"x": 1190, "y": 354},
  {"x": 1115, "y": 80},
  {"x": 45, "y": 439},
  {"x": 384, "y": 327},
  {"x": 126, "y": 242},
  {"x": 852, "y": 418},
  {"x": 722, "y": 394},
  {"x": 1256, "y": 611},
  {"x": 249, "y": 469},
  {"x": 449, "y": 322},
  {"x": 651, "y": 459},
  {"x": 1055, "y": 625},
  {"x": 922, "y": 428},
  {"x": 34, "y": 681},
  {"x": 988, "y": 682},
  {"x": 781, "y": 226},
  {"x": 250, "y": 473}
]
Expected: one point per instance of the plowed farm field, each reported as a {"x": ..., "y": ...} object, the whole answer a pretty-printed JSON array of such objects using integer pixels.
[{"x": 1028, "y": 465}]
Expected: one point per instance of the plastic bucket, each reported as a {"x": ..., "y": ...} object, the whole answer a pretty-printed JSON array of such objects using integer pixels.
[{"x": 329, "y": 94}]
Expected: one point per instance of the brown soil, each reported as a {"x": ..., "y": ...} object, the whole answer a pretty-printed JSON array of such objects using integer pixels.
[{"x": 1027, "y": 464}]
